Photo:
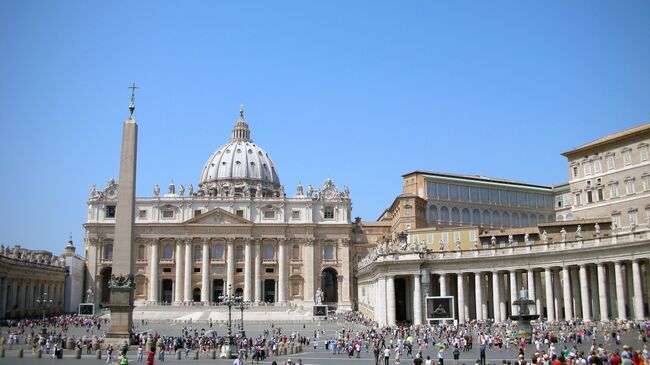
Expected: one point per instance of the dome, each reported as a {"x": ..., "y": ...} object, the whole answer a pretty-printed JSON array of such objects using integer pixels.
[{"x": 239, "y": 162}]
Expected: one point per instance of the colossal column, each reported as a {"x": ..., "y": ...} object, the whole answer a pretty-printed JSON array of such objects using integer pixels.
[
  {"x": 178, "y": 277},
  {"x": 309, "y": 271},
  {"x": 153, "y": 267},
  {"x": 496, "y": 299},
  {"x": 461, "y": 297},
  {"x": 188, "y": 271},
  {"x": 380, "y": 302},
  {"x": 479, "y": 296},
  {"x": 548, "y": 294},
  {"x": 122, "y": 282},
  {"x": 282, "y": 267},
  {"x": 443, "y": 284},
  {"x": 230, "y": 264},
  {"x": 390, "y": 300},
  {"x": 513, "y": 292},
  {"x": 530, "y": 278},
  {"x": 602, "y": 295},
  {"x": 620, "y": 291},
  {"x": 247, "y": 270},
  {"x": 638, "y": 292},
  {"x": 584, "y": 294},
  {"x": 258, "y": 271},
  {"x": 417, "y": 300},
  {"x": 566, "y": 287},
  {"x": 205, "y": 270}
]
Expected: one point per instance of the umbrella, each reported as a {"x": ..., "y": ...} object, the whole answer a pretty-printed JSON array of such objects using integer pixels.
[
  {"x": 441, "y": 345},
  {"x": 409, "y": 339}
]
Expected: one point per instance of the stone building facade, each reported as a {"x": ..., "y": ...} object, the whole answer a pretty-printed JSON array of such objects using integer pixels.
[
  {"x": 238, "y": 228},
  {"x": 31, "y": 282}
]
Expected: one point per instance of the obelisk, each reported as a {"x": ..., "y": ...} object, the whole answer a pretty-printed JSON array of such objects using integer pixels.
[{"x": 121, "y": 283}]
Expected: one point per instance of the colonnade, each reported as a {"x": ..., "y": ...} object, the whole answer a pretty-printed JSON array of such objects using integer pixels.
[
  {"x": 589, "y": 291},
  {"x": 21, "y": 296}
]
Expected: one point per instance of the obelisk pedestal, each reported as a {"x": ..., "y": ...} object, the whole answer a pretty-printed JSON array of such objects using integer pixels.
[{"x": 122, "y": 283}]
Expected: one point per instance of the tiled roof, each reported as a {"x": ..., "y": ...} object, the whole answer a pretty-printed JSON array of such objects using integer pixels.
[
  {"x": 610, "y": 138},
  {"x": 475, "y": 178}
]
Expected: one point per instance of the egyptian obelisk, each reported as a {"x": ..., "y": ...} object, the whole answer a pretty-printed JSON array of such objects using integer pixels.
[{"x": 121, "y": 282}]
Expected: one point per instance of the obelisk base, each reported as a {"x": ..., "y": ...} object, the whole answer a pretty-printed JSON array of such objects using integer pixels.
[{"x": 121, "y": 306}]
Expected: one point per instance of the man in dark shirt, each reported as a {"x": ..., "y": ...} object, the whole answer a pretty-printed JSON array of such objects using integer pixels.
[{"x": 417, "y": 360}]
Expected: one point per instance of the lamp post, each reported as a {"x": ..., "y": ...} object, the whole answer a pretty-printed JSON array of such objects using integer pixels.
[
  {"x": 241, "y": 305},
  {"x": 44, "y": 302},
  {"x": 229, "y": 300}
]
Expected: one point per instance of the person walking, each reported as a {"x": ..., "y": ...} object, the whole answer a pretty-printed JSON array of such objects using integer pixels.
[
  {"x": 386, "y": 356},
  {"x": 441, "y": 356},
  {"x": 140, "y": 354}
]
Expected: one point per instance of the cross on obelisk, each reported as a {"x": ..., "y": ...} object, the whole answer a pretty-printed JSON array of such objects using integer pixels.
[{"x": 122, "y": 283}]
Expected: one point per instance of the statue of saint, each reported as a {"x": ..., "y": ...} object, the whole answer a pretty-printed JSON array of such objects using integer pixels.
[
  {"x": 346, "y": 191},
  {"x": 310, "y": 191},
  {"x": 579, "y": 231},
  {"x": 156, "y": 190},
  {"x": 319, "y": 296},
  {"x": 90, "y": 296},
  {"x": 523, "y": 293},
  {"x": 527, "y": 238},
  {"x": 597, "y": 229},
  {"x": 563, "y": 234},
  {"x": 493, "y": 242},
  {"x": 544, "y": 237},
  {"x": 171, "y": 189},
  {"x": 93, "y": 191},
  {"x": 510, "y": 240},
  {"x": 190, "y": 190},
  {"x": 181, "y": 190}
]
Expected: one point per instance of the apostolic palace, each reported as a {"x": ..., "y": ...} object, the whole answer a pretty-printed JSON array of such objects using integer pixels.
[{"x": 580, "y": 249}]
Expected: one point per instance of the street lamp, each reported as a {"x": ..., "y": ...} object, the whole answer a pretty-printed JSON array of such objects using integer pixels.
[
  {"x": 241, "y": 305},
  {"x": 229, "y": 300},
  {"x": 44, "y": 302}
]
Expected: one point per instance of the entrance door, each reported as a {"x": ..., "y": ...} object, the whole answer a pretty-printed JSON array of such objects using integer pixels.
[
  {"x": 400, "y": 300},
  {"x": 167, "y": 290},
  {"x": 106, "y": 291},
  {"x": 217, "y": 290},
  {"x": 329, "y": 286},
  {"x": 269, "y": 291},
  {"x": 196, "y": 295}
]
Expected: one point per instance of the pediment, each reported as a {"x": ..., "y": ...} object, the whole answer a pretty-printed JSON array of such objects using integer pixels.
[{"x": 218, "y": 216}]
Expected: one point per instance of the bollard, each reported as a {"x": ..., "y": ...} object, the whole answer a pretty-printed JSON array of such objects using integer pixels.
[
  {"x": 178, "y": 354},
  {"x": 213, "y": 354},
  {"x": 290, "y": 350},
  {"x": 77, "y": 353},
  {"x": 98, "y": 354},
  {"x": 95, "y": 343},
  {"x": 196, "y": 355},
  {"x": 2, "y": 351},
  {"x": 20, "y": 353},
  {"x": 39, "y": 353},
  {"x": 70, "y": 343}
]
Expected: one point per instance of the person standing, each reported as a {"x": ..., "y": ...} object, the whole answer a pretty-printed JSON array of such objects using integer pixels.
[
  {"x": 386, "y": 356},
  {"x": 375, "y": 352},
  {"x": 140, "y": 353},
  {"x": 441, "y": 356}
]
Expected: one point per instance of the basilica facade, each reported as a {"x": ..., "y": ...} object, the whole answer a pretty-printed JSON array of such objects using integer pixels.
[{"x": 237, "y": 229}]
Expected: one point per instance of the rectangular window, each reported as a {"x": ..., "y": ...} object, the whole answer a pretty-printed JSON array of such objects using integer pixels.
[
  {"x": 168, "y": 213},
  {"x": 632, "y": 217},
  {"x": 601, "y": 195},
  {"x": 453, "y": 192},
  {"x": 610, "y": 162},
  {"x": 295, "y": 214},
  {"x": 472, "y": 236},
  {"x": 616, "y": 219},
  {"x": 239, "y": 213},
  {"x": 590, "y": 197},
  {"x": 629, "y": 187},
  {"x": 444, "y": 237},
  {"x": 613, "y": 191},
  {"x": 463, "y": 191},
  {"x": 485, "y": 195},
  {"x": 269, "y": 214},
  {"x": 197, "y": 269},
  {"x": 474, "y": 194},
  {"x": 646, "y": 183},
  {"x": 197, "y": 212},
  {"x": 587, "y": 168},
  {"x": 329, "y": 213},
  {"x": 627, "y": 157},
  {"x": 110, "y": 211},
  {"x": 142, "y": 214},
  {"x": 239, "y": 269},
  {"x": 578, "y": 202},
  {"x": 644, "y": 153},
  {"x": 432, "y": 190},
  {"x": 167, "y": 269},
  {"x": 575, "y": 172},
  {"x": 430, "y": 239},
  {"x": 597, "y": 167},
  {"x": 443, "y": 191},
  {"x": 269, "y": 270},
  {"x": 408, "y": 211},
  {"x": 456, "y": 236},
  {"x": 558, "y": 201}
]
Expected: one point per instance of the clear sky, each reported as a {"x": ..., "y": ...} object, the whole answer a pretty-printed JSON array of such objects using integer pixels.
[{"x": 359, "y": 91}]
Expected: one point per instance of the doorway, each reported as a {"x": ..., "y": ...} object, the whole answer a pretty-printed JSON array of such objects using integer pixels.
[
  {"x": 329, "y": 285},
  {"x": 167, "y": 290},
  {"x": 269, "y": 291},
  {"x": 217, "y": 290}
]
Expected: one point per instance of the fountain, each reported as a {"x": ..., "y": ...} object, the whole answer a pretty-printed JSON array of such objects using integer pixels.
[{"x": 524, "y": 317}]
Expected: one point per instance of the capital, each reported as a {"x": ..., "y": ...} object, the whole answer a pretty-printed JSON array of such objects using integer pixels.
[
  {"x": 205, "y": 240},
  {"x": 345, "y": 242},
  {"x": 230, "y": 240},
  {"x": 310, "y": 241},
  {"x": 154, "y": 241}
]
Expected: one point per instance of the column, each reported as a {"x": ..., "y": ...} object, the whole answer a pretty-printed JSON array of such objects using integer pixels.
[
  {"x": 638, "y": 291},
  {"x": 513, "y": 292},
  {"x": 282, "y": 275},
  {"x": 602, "y": 295},
  {"x": 188, "y": 271},
  {"x": 530, "y": 279},
  {"x": 443, "y": 284},
  {"x": 557, "y": 292},
  {"x": 153, "y": 276},
  {"x": 417, "y": 300},
  {"x": 309, "y": 270},
  {"x": 390, "y": 301},
  {"x": 503, "y": 284},
  {"x": 178, "y": 261},
  {"x": 461, "y": 298},
  {"x": 593, "y": 289},
  {"x": 548, "y": 293},
  {"x": 205, "y": 270},
  {"x": 496, "y": 297},
  {"x": 539, "y": 303},
  {"x": 247, "y": 269},
  {"x": 479, "y": 296},
  {"x": 566, "y": 289},
  {"x": 584, "y": 293},
  {"x": 230, "y": 265},
  {"x": 380, "y": 302},
  {"x": 258, "y": 271},
  {"x": 620, "y": 292}
]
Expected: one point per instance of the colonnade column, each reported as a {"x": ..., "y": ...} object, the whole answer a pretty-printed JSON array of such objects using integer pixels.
[
  {"x": 247, "y": 269},
  {"x": 638, "y": 291},
  {"x": 530, "y": 278},
  {"x": 496, "y": 297},
  {"x": 188, "y": 271},
  {"x": 461, "y": 297},
  {"x": 258, "y": 271},
  {"x": 478, "y": 288},
  {"x": 584, "y": 294},
  {"x": 309, "y": 270},
  {"x": 230, "y": 265},
  {"x": 153, "y": 266},
  {"x": 602, "y": 295},
  {"x": 178, "y": 277},
  {"x": 205, "y": 270},
  {"x": 380, "y": 302},
  {"x": 513, "y": 292},
  {"x": 442, "y": 279},
  {"x": 548, "y": 293},
  {"x": 282, "y": 275},
  {"x": 566, "y": 289},
  {"x": 620, "y": 291},
  {"x": 390, "y": 300},
  {"x": 417, "y": 300}
]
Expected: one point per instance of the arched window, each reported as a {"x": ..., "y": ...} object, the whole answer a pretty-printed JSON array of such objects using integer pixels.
[
  {"x": 239, "y": 254},
  {"x": 524, "y": 220},
  {"x": 269, "y": 252},
  {"x": 295, "y": 253},
  {"x": 533, "y": 220},
  {"x": 197, "y": 253},
  {"x": 515, "y": 220},
  {"x": 141, "y": 252},
  {"x": 541, "y": 219},
  {"x": 467, "y": 219},
  {"x": 168, "y": 251},
  {"x": 217, "y": 254},
  {"x": 455, "y": 215},
  {"x": 486, "y": 218},
  {"x": 476, "y": 217},
  {"x": 108, "y": 251},
  {"x": 328, "y": 252},
  {"x": 549, "y": 218},
  {"x": 433, "y": 214},
  {"x": 568, "y": 217},
  {"x": 559, "y": 218},
  {"x": 496, "y": 218},
  {"x": 444, "y": 215},
  {"x": 506, "y": 219}
]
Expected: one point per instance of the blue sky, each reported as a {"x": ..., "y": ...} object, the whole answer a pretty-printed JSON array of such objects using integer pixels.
[{"x": 359, "y": 91}]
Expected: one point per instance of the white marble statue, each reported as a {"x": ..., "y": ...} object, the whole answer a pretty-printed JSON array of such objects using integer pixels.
[
  {"x": 190, "y": 190},
  {"x": 597, "y": 229},
  {"x": 493, "y": 242},
  {"x": 181, "y": 190},
  {"x": 527, "y": 238},
  {"x": 510, "y": 240},
  {"x": 156, "y": 190},
  {"x": 319, "y": 296},
  {"x": 563, "y": 234},
  {"x": 579, "y": 232},
  {"x": 544, "y": 237}
]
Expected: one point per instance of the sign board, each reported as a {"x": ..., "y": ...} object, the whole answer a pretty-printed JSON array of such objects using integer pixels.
[
  {"x": 86, "y": 309},
  {"x": 440, "y": 308},
  {"x": 320, "y": 311}
]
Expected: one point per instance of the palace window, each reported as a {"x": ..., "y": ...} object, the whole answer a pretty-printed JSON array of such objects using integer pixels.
[
  {"x": 597, "y": 167},
  {"x": 197, "y": 253},
  {"x": 217, "y": 254},
  {"x": 575, "y": 172},
  {"x": 616, "y": 219},
  {"x": 142, "y": 214},
  {"x": 239, "y": 254},
  {"x": 646, "y": 182},
  {"x": 613, "y": 190},
  {"x": 110, "y": 211},
  {"x": 167, "y": 214},
  {"x": 631, "y": 214},
  {"x": 472, "y": 236},
  {"x": 408, "y": 211},
  {"x": 141, "y": 252},
  {"x": 610, "y": 162},
  {"x": 295, "y": 253},
  {"x": 643, "y": 152},
  {"x": 430, "y": 239},
  {"x": 295, "y": 214},
  {"x": 590, "y": 197},
  {"x": 577, "y": 196},
  {"x": 328, "y": 252},
  {"x": 456, "y": 236},
  {"x": 108, "y": 252},
  {"x": 269, "y": 252},
  {"x": 587, "y": 168},
  {"x": 627, "y": 157},
  {"x": 444, "y": 237},
  {"x": 629, "y": 186},
  {"x": 328, "y": 213},
  {"x": 269, "y": 214},
  {"x": 601, "y": 195},
  {"x": 167, "y": 253}
]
